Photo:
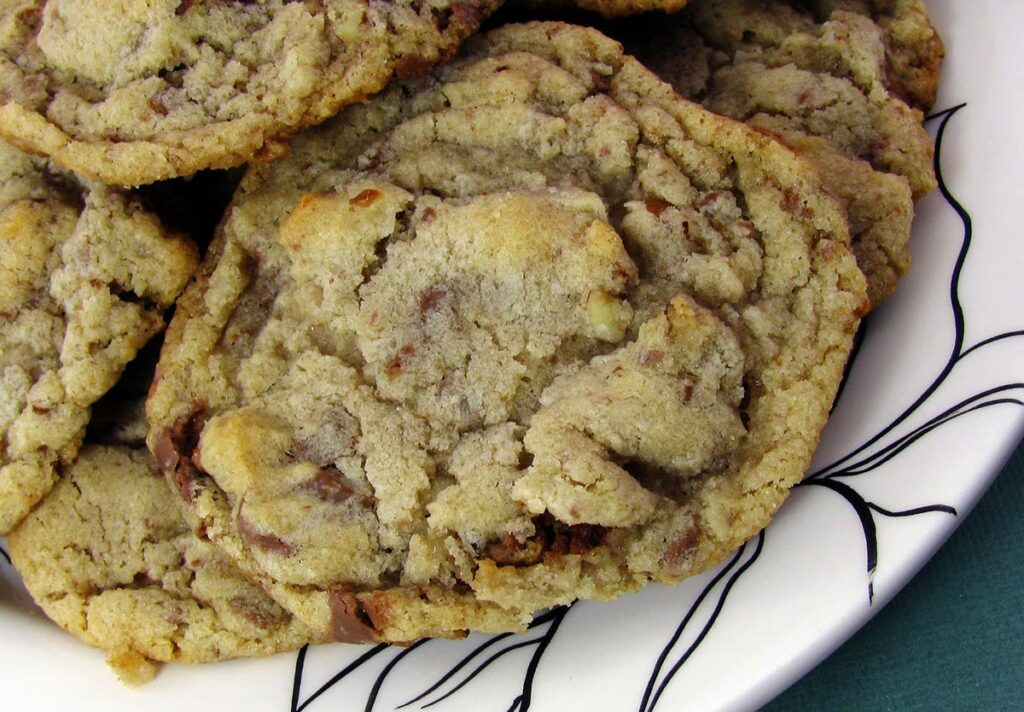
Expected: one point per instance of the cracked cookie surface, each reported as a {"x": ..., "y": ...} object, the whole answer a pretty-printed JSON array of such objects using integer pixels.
[
  {"x": 843, "y": 82},
  {"x": 109, "y": 558},
  {"x": 527, "y": 330},
  {"x": 85, "y": 276},
  {"x": 134, "y": 92}
]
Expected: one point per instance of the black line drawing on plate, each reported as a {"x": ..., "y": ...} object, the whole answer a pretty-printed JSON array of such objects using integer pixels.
[
  {"x": 522, "y": 701},
  {"x": 5, "y": 555},
  {"x": 860, "y": 461},
  {"x": 730, "y": 573},
  {"x": 457, "y": 677}
]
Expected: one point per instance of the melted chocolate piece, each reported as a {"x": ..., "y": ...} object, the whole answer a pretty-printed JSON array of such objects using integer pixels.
[
  {"x": 656, "y": 206},
  {"x": 573, "y": 539},
  {"x": 328, "y": 484},
  {"x": 175, "y": 448},
  {"x": 349, "y": 621},
  {"x": 553, "y": 538},
  {"x": 258, "y": 615},
  {"x": 411, "y": 67},
  {"x": 430, "y": 299},
  {"x": 509, "y": 552},
  {"x": 365, "y": 198},
  {"x": 253, "y": 307},
  {"x": 678, "y": 550},
  {"x": 254, "y": 537}
]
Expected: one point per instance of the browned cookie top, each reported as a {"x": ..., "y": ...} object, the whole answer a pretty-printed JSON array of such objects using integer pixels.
[
  {"x": 530, "y": 329},
  {"x": 138, "y": 91}
]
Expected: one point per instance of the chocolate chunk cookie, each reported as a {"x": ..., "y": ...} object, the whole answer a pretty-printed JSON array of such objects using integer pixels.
[
  {"x": 85, "y": 276},
  {"x": 831, "y": 79},
  {"x": 139, "y": 91},
  {"x": 529, "y": 329},
  {"x": 109, "y": 558}
]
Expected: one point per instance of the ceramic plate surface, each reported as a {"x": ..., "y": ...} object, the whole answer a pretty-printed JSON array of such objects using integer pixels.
[{"x": 929, "y": 413}]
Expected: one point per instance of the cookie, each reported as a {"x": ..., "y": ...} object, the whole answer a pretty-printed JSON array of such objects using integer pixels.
[
  {"x": 530, "y": 329},
  {"x": 774, "y": 64},
  {"x": 829, "y": 89},
  {"x": 913, "y": 48},
  {"x": 617, "y": 8},
  {"x": 108, "y": 557},
  {"x": 605, "y": 8},
  {"x": 86, "y": 273},
  {"x": 130, "y": 93}
]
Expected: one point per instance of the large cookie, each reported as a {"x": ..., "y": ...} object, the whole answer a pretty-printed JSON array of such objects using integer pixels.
[
  {"x": 85, "y": 276},
  {"x": 138, "y": 91},
  {"x": 528, "y": 330},
  {"x": 832, "y": 88},
  {"x": 109, "y": 558}
]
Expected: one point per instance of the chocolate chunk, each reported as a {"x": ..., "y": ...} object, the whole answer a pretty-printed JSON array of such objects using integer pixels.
[
  {"x": 656, "y": 206},
  {"x": 142, "y": 579},
  {"x": 600, "y": 82},
  {"x": 349, "y": 622},
  {"x": 254, "y": 304},
  {"x": 411, "y": 67},
  {"x": 396, "y": 364},
  {"x": 157, "y": 105},
  {"x": 175, "y": 447},
  {"x": 328, "y": 484},
  {"x": 677, "y": 550},
  {"x": 578, "y": 539},
  {"x": 792, "y": 203},
  {"x": 254, "y": 537},
  {"x": 431, "y": 298},
  {"x": 165, "y": 453},
  {"x": 686, "y": 390},
  {"x": 255, "y": 613},
  {"x": 552, "y": 538},
  {"x": 510, "y": 552},
  {"x": 466, "y": 16}
]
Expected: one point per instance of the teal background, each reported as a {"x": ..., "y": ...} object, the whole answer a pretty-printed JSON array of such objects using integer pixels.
[{"x": 953, "y": 639}]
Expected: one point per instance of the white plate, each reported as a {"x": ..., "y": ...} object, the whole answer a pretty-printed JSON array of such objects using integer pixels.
[{"x": 929, "y": 414}]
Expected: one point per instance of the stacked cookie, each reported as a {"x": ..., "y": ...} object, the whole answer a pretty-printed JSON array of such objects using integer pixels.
[{"x": 527, "y": 325}]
